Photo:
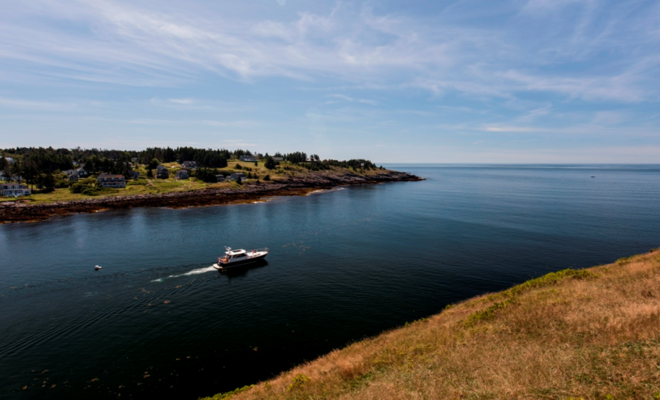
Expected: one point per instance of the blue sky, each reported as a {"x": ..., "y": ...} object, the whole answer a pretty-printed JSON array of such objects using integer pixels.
[{"x": 533, "y": 81}]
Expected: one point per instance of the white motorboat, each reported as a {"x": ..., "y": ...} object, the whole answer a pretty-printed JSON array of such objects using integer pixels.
[{"x": 233, "y": 258}]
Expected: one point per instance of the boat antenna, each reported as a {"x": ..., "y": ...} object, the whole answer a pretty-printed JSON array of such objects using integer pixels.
[{"x": 227, "y": 248}]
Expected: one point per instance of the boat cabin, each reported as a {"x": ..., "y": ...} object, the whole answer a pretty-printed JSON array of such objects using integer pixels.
[{"x": 233, "y": 255}]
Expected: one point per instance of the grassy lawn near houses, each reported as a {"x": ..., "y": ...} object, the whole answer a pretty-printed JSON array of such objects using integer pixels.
[
  {"x": 158, "y": 186},
  {"x": 151, "y": 186}
]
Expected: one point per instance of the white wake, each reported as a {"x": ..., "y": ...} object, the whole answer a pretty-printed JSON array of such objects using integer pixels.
[{"x": 193, "y": 272}]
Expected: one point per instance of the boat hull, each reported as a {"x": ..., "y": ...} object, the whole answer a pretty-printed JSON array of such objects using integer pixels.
[{"x": 239, "y": 263}]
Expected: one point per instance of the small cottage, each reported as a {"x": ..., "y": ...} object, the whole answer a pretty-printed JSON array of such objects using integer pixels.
[
  {"x": 74, "y": 177},
  {"x": 183, "y": 174},
  {"x": 247, "y": 158},
  {"x": 189, "y": 164},
  {"x": 220, "y": 178},
  {"x": 162, "y": 172},
  {"x": 112, "y": 181},
  {"x": 237, "y": 177}
]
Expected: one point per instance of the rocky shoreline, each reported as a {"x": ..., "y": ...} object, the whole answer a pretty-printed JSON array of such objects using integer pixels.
[{"x": 20, "y": 211}]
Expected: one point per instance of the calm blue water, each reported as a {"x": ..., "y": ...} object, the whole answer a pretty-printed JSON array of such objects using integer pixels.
[{"x": 344, "y": 265}]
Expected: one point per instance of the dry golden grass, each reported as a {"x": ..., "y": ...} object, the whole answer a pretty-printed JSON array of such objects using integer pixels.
[{"x": 570, "y": 335}]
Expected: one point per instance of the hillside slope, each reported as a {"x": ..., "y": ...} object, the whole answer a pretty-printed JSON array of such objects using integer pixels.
[{"x": 574, "y": 334}]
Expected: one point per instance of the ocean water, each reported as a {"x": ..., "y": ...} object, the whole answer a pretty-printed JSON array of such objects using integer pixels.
[{"x": 344, "y": 265}]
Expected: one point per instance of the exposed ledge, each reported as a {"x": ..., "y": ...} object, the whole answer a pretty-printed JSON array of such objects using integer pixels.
[{"x": 26, "y": 212}]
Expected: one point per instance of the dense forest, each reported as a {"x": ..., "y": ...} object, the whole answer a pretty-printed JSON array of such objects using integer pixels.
[{"x": 39, "y": 165}]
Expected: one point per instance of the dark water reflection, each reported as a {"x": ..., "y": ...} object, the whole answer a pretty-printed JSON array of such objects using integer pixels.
[{"x": 345, "y": 264}]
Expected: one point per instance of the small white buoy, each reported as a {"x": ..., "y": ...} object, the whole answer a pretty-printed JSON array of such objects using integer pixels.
[{"x": 97, "y": 267}]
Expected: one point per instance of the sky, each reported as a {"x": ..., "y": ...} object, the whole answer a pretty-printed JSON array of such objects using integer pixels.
[{"x": 519, "y": 81}]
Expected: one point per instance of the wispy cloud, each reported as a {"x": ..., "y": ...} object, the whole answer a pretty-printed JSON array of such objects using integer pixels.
[
  {"x": 36, "y": 105},
  {"x": 182, "y": 101},
  {"x": 524, "y": 69},
  {"x": 352, "y": 100},
  {"x": 515, "y": 129},
  {"x": 139, "y": 44},
  {"x": 179, "y": 122}
]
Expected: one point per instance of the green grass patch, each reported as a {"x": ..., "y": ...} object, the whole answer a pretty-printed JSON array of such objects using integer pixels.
[
  {"x": 549, "y": 280},
  {"x": 510, "y": 295},
  {"x": 623, "y": 260},
  {"x": 298, "y": 382},
  {"x": 360, "y": 381}
]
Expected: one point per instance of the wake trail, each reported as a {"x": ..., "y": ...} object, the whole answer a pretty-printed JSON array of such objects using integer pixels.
[{"x": 193, "y": 272}]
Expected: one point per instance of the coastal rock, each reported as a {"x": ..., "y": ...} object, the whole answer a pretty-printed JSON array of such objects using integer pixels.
[{"x": 22, "y": 211}]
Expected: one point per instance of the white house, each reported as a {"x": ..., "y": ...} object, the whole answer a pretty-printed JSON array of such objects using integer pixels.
[
  {"x": 113, "y": 181},
  {"x": 247, "y": 158},
  {"x": 237, "y": 177},
  {"x": 15, "y": 190}
]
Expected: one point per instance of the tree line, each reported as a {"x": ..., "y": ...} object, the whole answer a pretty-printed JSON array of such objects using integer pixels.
[{"x": 36, "y": 165}]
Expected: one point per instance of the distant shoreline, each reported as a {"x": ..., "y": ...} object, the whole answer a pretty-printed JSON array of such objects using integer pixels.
[{"x": 20, "y": 211}]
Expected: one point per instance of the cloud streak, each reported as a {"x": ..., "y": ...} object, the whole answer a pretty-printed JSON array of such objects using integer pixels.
[
  {"x": 130, "y": 43},
  {"x": 532, "y": 71}
]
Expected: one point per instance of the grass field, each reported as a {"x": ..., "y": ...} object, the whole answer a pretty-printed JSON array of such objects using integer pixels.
[
  {"x": 157, "y": 186},
  {"x": 574, "y": 334}
]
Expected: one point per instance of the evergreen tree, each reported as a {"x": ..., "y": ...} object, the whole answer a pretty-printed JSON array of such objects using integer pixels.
[
  {"x": 48, "y": 182},
  {"x": 30, "y": 173},
  {"x": 15, "y": 171},
  {"x": 270, "y": 163},
  {"x": 3, "y": 163},
  {"x": 153, "y": 164},
  {"x": 206, "y": 175}
]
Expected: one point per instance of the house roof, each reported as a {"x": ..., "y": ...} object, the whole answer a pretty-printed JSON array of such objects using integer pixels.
[{"x": 107, "y": 176}]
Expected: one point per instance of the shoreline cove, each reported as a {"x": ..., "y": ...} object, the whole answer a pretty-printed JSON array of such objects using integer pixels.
[
  {"x": 19, "y": 211},
  {"x": 608, "y": 312},
  {"x": 357, "y": 264}
]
